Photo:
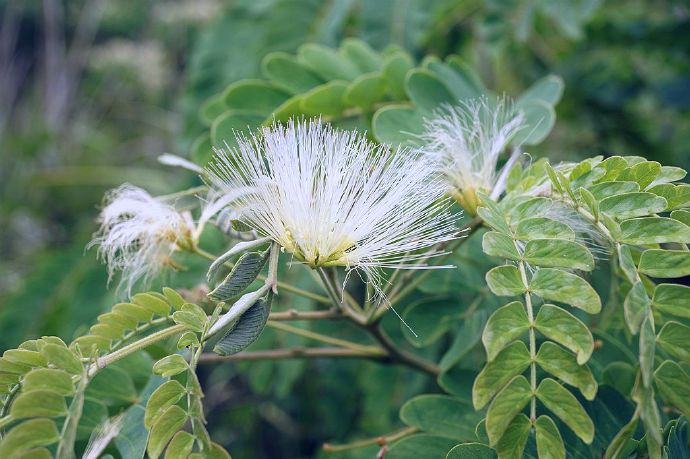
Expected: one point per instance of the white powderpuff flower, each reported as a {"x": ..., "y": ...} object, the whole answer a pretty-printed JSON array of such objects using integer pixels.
[
  {"x": 466, "y": 140},
  {"x": 138, "y": 234},
  {"x": 331, "y": 198}
]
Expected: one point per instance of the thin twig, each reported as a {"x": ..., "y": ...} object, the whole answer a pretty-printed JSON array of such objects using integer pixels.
[
  {"x": 373, "y": 350},
  {"x": 294, "y": 314},
  {"x": 292, "y": 353},
  {"x": 381, "y": 441}
]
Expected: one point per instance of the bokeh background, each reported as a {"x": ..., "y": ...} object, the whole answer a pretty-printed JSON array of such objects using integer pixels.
[{"x": 93, "y": 91}]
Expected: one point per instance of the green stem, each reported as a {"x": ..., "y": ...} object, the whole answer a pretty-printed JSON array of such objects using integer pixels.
[
  {"x": 335, "y": 298},
  {"x": 65, "y": 448},
  {"x": 287, "y": 287},
  {"x": 5, "y": 421},
  {"x": 371, "y": 350},
  {"x": 109, "y": 359},
  {"x": 381, "y": 441}
]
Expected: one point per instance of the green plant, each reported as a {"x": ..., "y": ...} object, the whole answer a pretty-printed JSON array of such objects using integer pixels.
[{"x": 593, "y": 338}]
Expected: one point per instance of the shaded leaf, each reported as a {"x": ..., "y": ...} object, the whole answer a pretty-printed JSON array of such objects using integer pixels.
[
  {"x": 558, "y": 253},
  {"x": 510, "y": 362},
  {"x": 563, "y": 365},
  {"x": 512, "y": 443},
  {"x": 564, "y": 405},
  {"x": 505, "y": 325},
  {"x": 549, "y": 441},
  {"x": 665, "y": 263},
  {"x": 566, "y": 329},
  {"x": 507, "y": 404},
  {"x": 554, "y": 284},
  {"x": 505, "y": 281}
]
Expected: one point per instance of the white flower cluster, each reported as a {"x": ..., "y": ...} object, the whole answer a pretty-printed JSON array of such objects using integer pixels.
[
  {"x": 138, "y": 234},
  {"x": 467, "y": 141},
  {"x": 331, "y": 198},
  {"x": 328, "y": 197}
]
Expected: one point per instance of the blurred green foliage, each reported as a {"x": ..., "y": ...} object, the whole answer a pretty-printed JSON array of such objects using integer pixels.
[{"x": 93, "y": 91}]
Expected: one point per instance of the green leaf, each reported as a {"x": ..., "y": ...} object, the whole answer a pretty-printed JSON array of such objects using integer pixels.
[
  {"x": 492, "y": 214},
  {"x": 107, "y": 331},
  {"x": 118, "y": 320},
  {"x": 137, "y": 313},
  {"x": 420, "y": 445},
  {"x": 505, "y": 281},
  {"x": 457, "y": 83},
  {"x": 548, "y": 89},
  {"x": 170, "y": 365},
  {"x": 187, "y": 339},
  {"x": 499, "y": 245},
  {"x": 554, "y": 284},
  {"x": 25, "y": 357},
  {"x": 224, "y": 128},
  {"x": 38, "y": 403},
  {"x": 673, "y": 299},
  {"x": 426, "y": 90},
  {"x": 36, "y": 453},
  {"x": 167, "y": 425},
  {"x": 285, "y": 72},
  {"x": 397, "y": 124},
  {"x": 635, "y": 306},
  {"x": 507, "y": 404},
  {"x": 649, "y": 412},
  {"x": 508, "y": 323},
  {"x": 681, "y": 216},
  {"x": 628, "y": 205},
  {"x": 49, "y": 379},
  {"x": 512, "y": 443},
  {"x": 562, "y": 364},
  {"x": 62, "y": 358},
  {"x": 255, "y": 97},
  {"x": 539, "y": 120},
  {"x": 591, "y": 202},
  {"x": 665, "y": 263},
  {"x": 606, "y": 189},
  {"x": 326, "y": 99},
  {"x": 674, "y": 338},
  {"x": 366, "y": 90},
  {"x": 471, "y": 451},
  {"x": 90, "y": 342},
  {"x": 112, "y": 383},
  {"x": 28, "y": 435},
  {"x": 440, "y": 415},
  {"x": 510, "y": 362},
  {"x": 241, "y": 276},
  {"x": 465, "y": 339},
  {"x": 192, "y": 317},
  {"x": 643, "y": 173},
  {"x": 564, "y": 405},
  {"x": 654, "y": 230},
  {"x": 361, "y": 55},
  {"x": 152, "y": 303},
  {"x": 165, "y": 396},
  {"x": 326, "y": 63},
  {"x": 558, "y": 253},
  {"x": 627, "y": 264},
  {"x": 620, "y": 376},
  {"x": 674, "y": 385},
  {"x": 395, "y": 68},
  {"x": 549, "y": 441},
  {"x": 13, "y": 368},
  {"x": 676, "y": 196},
  {"x": 619, "y": 446},
  {"x": 174, "y": 298},
  {"x": 247, "y": 329},
  {"x": 543, "y": 228},
  {"x": 566, "y": 329},
  {"x": 534, "y": 207},
  {"x": 180, "y": 446}
]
